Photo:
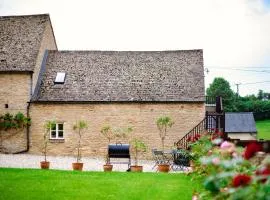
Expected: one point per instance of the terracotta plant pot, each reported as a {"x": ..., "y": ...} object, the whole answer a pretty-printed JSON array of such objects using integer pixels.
[
  {"x": 77, "y": 166},
  {"x": 164, "y": 168},
  {"x": 107, "y": 168},
  {"x": 44, "y": 165},
  {"x": 191, "y": 164},
  {"x": 136, "y": 168}
]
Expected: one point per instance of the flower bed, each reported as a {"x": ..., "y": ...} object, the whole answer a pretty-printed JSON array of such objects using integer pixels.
[{"x": 230, "y": 172}]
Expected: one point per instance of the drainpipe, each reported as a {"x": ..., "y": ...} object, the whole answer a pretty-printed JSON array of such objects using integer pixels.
[{"x": 27, "y": 133}]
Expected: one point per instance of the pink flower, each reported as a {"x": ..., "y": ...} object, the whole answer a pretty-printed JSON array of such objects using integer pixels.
[
  {"x": 216, "y": 161},
  {"x": 225, "y": 145}
]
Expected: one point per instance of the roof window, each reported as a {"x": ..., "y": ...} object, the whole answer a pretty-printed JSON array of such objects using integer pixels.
[{"x": 60, "y": 78}]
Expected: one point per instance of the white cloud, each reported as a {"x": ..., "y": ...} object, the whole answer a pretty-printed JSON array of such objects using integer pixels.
[{"x": 233, "y": 33}]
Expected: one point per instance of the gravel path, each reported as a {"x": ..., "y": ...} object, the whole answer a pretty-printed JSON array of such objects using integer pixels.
[{"x": 63, "y": 162}]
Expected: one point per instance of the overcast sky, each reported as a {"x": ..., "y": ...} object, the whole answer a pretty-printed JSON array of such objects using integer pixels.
[{"x": 234, "y": 34}]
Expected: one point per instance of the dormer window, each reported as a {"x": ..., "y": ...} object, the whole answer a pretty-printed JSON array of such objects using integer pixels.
[{"x": 60, "y": 78}]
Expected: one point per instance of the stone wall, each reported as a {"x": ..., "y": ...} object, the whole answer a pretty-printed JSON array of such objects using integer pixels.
[
  {"x": 140, "y": 116},
  {"x": 47, "y": 43},
  {"x": 15, "y": 92}
]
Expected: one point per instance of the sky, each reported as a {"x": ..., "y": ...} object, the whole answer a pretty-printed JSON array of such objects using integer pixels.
[{"x": 234, "y": 34}]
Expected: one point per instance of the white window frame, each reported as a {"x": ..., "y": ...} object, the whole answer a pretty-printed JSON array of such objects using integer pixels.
[
  {"x": 60, "y": 78},
  {"x": 57, "y": 132}
]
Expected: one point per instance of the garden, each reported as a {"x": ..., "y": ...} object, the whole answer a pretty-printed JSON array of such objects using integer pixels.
[
  {"x": 220, "y": 169},
  {"x": 228, "y": 171}
]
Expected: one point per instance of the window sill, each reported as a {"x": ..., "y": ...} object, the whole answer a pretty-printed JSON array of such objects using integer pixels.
[{"x": 57, "y": 140}]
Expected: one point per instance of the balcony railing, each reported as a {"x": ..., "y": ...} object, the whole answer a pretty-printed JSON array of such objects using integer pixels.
[{"x": 209, "y": 100}]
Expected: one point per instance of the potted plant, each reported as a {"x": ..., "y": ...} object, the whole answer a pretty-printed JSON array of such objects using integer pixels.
[
  {"x": 79, "y": 127},
  {"x": 163, "y": 123},
  {"x": 137, "y": 146},
  {"x": 47, "y": 127},
  {"x": 107, "y": 132}
]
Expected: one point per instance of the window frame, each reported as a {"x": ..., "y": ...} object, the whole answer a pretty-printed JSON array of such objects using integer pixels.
[
  {"x": 60, "y": 78},
  {"x": 57, "y": 132}
]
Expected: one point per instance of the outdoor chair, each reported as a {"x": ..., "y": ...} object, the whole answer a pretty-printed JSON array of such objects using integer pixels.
[
  {"x": 161, "y": 157},
  {"x": 180, "y": 162},
  {"x": 158, "y": 157}
]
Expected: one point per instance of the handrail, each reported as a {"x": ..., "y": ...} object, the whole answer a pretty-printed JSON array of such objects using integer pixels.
[
  {"x": 210, "y": 100},
  {"x": 205, "y": 125}
]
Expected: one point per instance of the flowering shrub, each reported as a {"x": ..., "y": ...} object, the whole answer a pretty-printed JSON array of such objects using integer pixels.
[
  {"x": 251, "y": 150},
  {"x": 241, "y": 180},
  {"x": 227, "y": 172}
]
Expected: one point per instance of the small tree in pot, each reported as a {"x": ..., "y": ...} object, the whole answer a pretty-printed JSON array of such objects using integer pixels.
[
  {"x": 79, "y": 127},
  {"x": 107, "y": 132},
  {"x": 163, "y": 124},
  {"x": 47, "y": 129},
  {"x": 137, "y": 147}
]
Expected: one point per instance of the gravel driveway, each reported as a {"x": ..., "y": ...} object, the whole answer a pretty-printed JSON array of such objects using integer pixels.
[{"x": 63, "y": 162}]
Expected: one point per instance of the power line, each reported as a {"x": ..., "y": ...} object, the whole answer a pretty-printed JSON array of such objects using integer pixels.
[
  {"x": 236, "y": 67},
  {"x": 255, "y": 82},
  {"x": 247, "y": 70}
]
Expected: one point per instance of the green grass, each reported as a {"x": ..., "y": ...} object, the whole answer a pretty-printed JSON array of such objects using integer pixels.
[
  {"x": 55, "y": 184},
  {"x": 263, "y": 128}
]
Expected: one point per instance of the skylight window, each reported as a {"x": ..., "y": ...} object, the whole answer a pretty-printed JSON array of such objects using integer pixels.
[{"x": 60, "y": 77}]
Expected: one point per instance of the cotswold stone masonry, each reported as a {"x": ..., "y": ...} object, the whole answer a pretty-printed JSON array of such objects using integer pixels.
[{"x": 101, "y": 87}]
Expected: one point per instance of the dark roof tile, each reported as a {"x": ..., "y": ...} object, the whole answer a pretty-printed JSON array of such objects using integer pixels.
[
  {"x": 124, "y": 76},
  {"x": 20, "y": 38},
  {"x": 242, "y": 122}
]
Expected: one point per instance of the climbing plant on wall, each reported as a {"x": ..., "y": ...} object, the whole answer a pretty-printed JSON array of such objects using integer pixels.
[{"x": 16, "y": 123}]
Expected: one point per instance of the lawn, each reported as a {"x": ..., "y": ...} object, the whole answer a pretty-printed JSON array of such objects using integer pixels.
[
  {"x": 263, "y": 128},
  {"x": 56, "y": 184}
]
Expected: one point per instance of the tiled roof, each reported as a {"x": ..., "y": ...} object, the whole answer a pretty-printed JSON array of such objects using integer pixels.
[
  {"x": 163, "y": 76},
  {"x": 20, "y": 38},
  {"x": 242, "y": 122}
]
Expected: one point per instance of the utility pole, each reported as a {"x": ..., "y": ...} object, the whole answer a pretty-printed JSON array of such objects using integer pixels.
[{"x": 237, "y": 88}]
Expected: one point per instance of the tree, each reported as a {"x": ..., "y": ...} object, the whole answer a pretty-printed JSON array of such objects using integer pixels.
[
  {"x": 47, "y": 128},
  {"x": 107, "y": 132},
  {"x": 79, "y": 127},
  {"x": 221, "y": 87},
  {"x": 163, "y": 123},
  {"x": 260, "y": 94}
]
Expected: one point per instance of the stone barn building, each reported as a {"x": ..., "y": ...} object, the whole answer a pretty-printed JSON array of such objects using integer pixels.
[{"x": 120, "y": 88}]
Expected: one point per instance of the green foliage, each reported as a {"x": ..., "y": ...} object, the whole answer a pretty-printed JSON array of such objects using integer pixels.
[
  {"x": 47, "y": 127},
  {"x": 138, "y": 146},
  {"x": 201, "y": 147},
  {"x": 233, "y": 103},
  {"x": 17, "y": 121},
  {"x": 107, "y": 132},
  {"x": 227, "y": 175},
  {"x": 122, "y": 133},
  {"x": 79, "y": 127},
  {"x": 221, "y": 87},
  {"x": 163, "y": 123}
]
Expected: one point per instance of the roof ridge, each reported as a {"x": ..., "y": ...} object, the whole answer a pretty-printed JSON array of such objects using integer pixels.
[
  {"x": 32, "y": 15},
  {"x": 124, "y": 51}
]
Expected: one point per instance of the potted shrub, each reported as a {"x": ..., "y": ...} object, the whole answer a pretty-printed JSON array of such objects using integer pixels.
[
  {"x": 107, "y": 132},
  {"x": 137, "y": 146},
  {"x": 163, "y": 124},
  {"x": 79, "y": 127},
  {"x": 47, "y": 127}
]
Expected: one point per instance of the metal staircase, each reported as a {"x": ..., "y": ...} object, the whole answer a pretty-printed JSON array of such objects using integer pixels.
[{"x": 211, "y": 122}]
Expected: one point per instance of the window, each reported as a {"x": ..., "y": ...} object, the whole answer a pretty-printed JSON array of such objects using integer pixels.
[
  {"x": 57, "y": 132},
  {"x": 60, "y": 77}
]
